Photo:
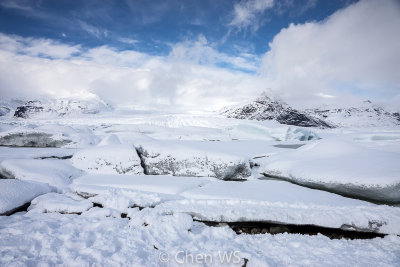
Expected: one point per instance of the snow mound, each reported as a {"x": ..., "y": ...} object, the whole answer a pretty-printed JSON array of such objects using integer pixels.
[
  {"x": 111, "y": 159},
  {"x": 57, "y": 173},
  {"x": 15, "y": 193},
  {"x": 53, "y": 202},
  {"x": 180, "y": 160},
  {"x": 342, "y": 167}
]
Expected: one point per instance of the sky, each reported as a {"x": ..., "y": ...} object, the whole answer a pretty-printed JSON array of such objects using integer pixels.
[{"x": 189, "y": 54}]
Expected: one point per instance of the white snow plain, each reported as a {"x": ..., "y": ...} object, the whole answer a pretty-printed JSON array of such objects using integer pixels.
[
  {"x": 142, "y": 220},
  {"x": 86, "y": 240}
]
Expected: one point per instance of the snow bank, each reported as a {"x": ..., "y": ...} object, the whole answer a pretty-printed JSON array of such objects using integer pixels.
[
  {"x": 283, "y": 202},
  {"x": 57, "y": 173},
  {"x": 53, "y": 202},
  {"x": 121, "y": 192},
  {"x": 15, "y": 193},
  {"x": 229, "y": 201},
  {"x": 380, "y": 219},
  {"x": 180, "y": 160},
  {"x": 342, "y": 167},
  {"x": 111, "y": 159},
  {"x": 271, "y": 191}
]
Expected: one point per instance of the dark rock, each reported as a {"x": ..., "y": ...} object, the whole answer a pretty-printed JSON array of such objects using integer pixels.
[
  {"x": 265, "y": 108},
  {"x": 278, "y": 229},
  {"x": 29, "y": 108}
]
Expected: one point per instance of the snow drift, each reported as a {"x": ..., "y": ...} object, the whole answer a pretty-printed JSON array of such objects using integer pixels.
[
  {"x": 15, "y": 193},
  {"x": 57, "y": 173}
]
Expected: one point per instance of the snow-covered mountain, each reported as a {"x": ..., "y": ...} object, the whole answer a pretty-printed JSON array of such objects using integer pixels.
[
  {"x": 51, "y": 108},
  {"x": 366, "y": 114},
  {"x": 267, "y": 108}
]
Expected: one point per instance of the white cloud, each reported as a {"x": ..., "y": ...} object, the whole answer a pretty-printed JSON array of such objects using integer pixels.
[
  {"x": 37, "y": 47},
  {"x": 183, "y": 79},
  {"x": 30, "y": 8},
  {"x": 354, "y": 52},
  {"x": 92, "y": 30},
  {"x": 128, "y": 41},
  {"x": 247, "y": 13}
]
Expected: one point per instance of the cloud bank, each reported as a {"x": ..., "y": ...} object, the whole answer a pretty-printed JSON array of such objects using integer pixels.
[
  {"x": 353, "y": 54},
  {"x": 355, "y": 51},
  {"x": 190, "y": 77}
]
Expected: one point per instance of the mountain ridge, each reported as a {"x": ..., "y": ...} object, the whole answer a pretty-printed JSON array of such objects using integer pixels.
[{"x": 266, "y": 107}]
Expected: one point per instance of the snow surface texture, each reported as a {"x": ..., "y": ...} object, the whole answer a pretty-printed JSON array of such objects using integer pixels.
[
  {"x": 178, "y": 160},
  {"x": 15, "y": 193},
  {"x": 57, "y": 173},
  {"x": 150, "y": 183},
  {"x": 109, "y": 159},
  {"x": 340, "y": 166},
  {"x": 88, "y": 239}
]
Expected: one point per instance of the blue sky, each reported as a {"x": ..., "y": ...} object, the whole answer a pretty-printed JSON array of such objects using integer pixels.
[
  {"x": 201, "y": 54},
  {"x": 152, "y": 26}
]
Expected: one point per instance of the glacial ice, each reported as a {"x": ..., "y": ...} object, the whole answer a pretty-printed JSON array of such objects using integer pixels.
[
  {"x": 108, "y": 159},
  {"x": 180, "y": 160},
  {"x": 340, "y": 166}
]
